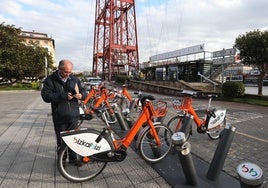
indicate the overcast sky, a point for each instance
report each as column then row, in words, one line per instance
column 163, row 25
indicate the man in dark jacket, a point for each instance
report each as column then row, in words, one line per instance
column 63, row 90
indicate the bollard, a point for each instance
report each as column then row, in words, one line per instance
column 250, row 175
column 184, row 148
column 132, row 105
column 120, row 118
column 221, row 153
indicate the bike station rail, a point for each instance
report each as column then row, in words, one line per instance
column 28, row 156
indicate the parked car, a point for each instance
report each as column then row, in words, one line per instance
column 89, row 81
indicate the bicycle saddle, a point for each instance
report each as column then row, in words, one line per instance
column 144, row 97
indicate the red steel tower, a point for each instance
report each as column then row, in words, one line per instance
column 115, row 39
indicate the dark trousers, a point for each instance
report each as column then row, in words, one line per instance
column 59, row 127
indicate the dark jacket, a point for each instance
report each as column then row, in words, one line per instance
column 55, row 91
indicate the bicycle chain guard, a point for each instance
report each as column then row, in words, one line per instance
column 110, row 156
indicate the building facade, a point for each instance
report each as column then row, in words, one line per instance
column 43, row 40
column 183, row 64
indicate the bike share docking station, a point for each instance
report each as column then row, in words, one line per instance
column 194, row 168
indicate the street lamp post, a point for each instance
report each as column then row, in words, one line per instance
column 45, row 66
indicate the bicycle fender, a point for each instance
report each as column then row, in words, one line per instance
column 141, row 132
column 83, row 142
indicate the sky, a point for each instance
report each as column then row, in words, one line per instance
column 162, row 25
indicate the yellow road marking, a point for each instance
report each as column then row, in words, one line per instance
column 253, row 137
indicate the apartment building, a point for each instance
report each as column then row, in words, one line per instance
column 43, row 40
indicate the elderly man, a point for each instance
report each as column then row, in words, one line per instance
column 63, row 90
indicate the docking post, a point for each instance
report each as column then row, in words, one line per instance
column 120, row 118
column 221, row 153
column 184, row 148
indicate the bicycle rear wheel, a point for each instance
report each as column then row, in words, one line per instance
column 148, row 148
column 215, row 133
column 82, row 169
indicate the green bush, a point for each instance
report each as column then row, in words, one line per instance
column 233, row 89
column 18, row 85
column 35, row 85
column 23, row 86
column 121, row 79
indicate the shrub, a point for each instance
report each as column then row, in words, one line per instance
column 121, row 79
column 35, row 85
column 18, row 85
column 233, row 89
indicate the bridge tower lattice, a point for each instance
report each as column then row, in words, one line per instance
column 115, row 39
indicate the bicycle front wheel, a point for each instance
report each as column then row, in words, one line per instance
column 215, row 133
column 148, row 147
column 175, row 123
column 79, row 170
column 111, row 119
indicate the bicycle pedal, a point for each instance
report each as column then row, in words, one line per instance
column 202, row 129
column 85, row 159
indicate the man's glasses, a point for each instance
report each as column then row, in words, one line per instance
column 66, row 72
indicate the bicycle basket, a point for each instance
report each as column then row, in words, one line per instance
column 182, row 104
column 160, row 109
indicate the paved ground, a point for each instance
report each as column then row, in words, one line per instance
column 27, row 150
column 27, row 146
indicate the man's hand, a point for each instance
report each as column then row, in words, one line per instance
column 78, row 96
column 70, row 96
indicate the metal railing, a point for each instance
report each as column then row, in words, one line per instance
column 209, row 80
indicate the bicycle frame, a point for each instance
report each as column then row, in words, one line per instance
column 145, row 116
column 126, row 93
column 190, row 110
column 92, row 93
column 102, row 99
column 202, row 124
column 92, row 145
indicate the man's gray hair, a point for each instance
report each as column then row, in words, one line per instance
column 62, row 63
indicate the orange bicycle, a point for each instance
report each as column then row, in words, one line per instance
column 212, row 124
column 99, row 98
column 96, row 148
column 92, row 94
column 126, row 101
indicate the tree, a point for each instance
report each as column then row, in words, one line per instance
column 253, row 47
column 34, row 54
column 18, row 60
column 9, row 48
